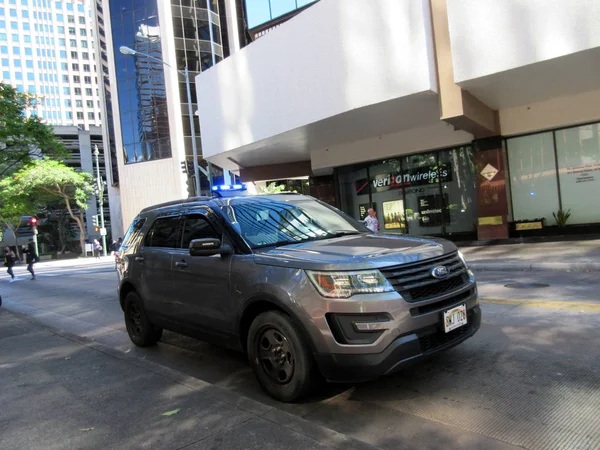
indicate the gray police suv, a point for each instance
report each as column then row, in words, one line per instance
column 299, row 286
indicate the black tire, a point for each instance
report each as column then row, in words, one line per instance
column 141, row 332
column 280, row 357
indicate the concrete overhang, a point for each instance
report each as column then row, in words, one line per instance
column 511, row 53
column 341, row 71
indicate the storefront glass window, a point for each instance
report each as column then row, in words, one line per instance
column 534, row 187
column 387, row 195
column 424, row 194
column 424, row 202
column 459, row 190
column 355, row 191
column 578, row 155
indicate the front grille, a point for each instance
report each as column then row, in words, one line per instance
column 432, row 342
column 437, row 306
column 415, row 282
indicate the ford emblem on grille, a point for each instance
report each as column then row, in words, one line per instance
column 440, row 272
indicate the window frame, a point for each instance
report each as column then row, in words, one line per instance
column 204, row 214
column 150, row 233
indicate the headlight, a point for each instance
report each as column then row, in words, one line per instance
column 469, row 272
column 462, row 258
column 346, row 284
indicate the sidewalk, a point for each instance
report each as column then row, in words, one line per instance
column 576, row 256
column 61, row 391
column 573, row 255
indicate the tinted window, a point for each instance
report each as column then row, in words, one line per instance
column 131, row 237
column 164, row 233
column 196, row 227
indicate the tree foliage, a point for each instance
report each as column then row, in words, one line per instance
column 55, row 226
column 272, row 188
column 14, row 205
column 23, row 138
column 44, row 181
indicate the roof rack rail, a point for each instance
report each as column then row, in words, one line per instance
column 176, row 202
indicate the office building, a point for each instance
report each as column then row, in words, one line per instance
column 49, row 49
column 459, row 118
column 150, row 131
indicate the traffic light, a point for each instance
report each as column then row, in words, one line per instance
column 95, row 221
column 33, row 221
column 96, row 229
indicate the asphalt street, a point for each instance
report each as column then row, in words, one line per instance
column 530, row 378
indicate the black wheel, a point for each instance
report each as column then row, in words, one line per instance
column 279, row 357
column 141, row 332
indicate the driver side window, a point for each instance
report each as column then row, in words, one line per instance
column 197, row 227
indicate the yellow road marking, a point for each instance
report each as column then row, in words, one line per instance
column 588, row 306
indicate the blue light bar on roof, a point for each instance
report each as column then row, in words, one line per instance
column 229, row 187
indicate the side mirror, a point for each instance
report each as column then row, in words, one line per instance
column 209, row 247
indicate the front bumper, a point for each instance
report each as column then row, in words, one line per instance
column 404, row 349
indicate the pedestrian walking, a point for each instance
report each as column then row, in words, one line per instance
column 32, row 257
column 371, row 221
column 97, row 248
column 9, row 261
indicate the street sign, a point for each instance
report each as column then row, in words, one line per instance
column 102, row 231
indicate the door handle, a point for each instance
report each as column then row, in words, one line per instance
column 181, row 264
column 139, row 258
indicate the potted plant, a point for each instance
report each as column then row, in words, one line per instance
column 562, row 217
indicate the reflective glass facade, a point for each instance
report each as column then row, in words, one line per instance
column 262, row 11
column 142, row 94
column 140, row 81
column 193, row 49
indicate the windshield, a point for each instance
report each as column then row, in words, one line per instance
column 264, row 222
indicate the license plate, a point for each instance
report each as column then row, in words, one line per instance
column 455, row 318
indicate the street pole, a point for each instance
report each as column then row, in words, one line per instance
column 129, row 51
column 100, row 200
column 193, row 130
column 214, row 61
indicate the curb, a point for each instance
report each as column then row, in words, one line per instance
column 534, row 266
column 272, row 414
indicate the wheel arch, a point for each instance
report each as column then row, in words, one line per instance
column 262, row 303
column 125, row 289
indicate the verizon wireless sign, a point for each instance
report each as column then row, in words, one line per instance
column 415, row 177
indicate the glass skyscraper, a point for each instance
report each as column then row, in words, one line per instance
column 48, row 48
column 180, row 35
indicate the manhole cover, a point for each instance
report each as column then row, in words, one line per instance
column 526, row 285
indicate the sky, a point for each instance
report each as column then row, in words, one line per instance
column 261, row 11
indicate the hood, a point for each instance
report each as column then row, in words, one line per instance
column 355, row 252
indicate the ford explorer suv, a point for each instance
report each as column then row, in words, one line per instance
column 305, row 290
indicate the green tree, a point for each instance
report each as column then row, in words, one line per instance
column 43, row 181
column 14, row 205
column 272, row 188
column 55, row 226
column 23, row 138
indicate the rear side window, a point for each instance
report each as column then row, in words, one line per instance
column 197, row 227
column 165, row 232
column 132, row 236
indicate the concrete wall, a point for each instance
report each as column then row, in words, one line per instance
column 491, row 36
column 415, row 140
column 337, row 56
column 552, row 113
